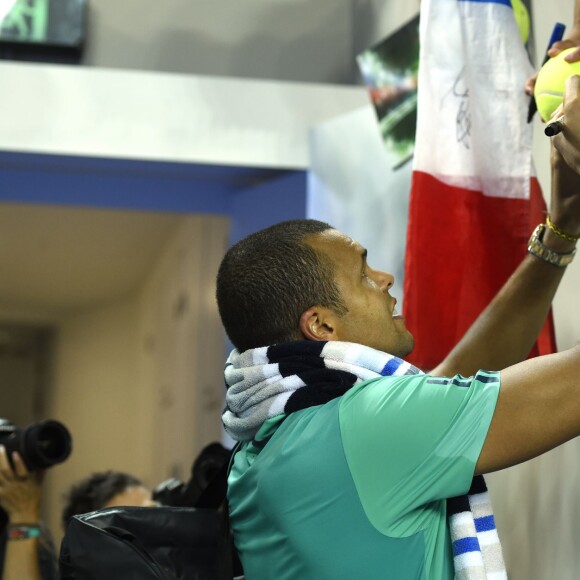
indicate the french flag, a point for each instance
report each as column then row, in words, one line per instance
column 474, row 198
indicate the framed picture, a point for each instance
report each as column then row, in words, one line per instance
column 390, row 71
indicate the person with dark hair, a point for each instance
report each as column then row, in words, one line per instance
column 279, row 275
column 353, row 462
column 30, row 553
column 102, row 490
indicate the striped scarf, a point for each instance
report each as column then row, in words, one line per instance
column 266, row 382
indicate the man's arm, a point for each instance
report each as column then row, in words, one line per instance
column 20, row 494
column 538, row 408
column 505, row 332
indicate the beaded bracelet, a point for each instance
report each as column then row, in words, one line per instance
column 23, row 531
column 559, row 232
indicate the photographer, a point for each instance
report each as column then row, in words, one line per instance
column 26, row 548
column 29, row 550
column 103, row 490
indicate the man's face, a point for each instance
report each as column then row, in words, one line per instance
column 371, row 319
column 135, row 495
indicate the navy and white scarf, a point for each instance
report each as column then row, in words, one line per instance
column 266, row 382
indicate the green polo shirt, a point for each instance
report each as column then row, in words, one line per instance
column 356, row 488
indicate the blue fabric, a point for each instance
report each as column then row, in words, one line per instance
column 390, row 368
column 465, row 545
column 504, row 2
column 484, row 524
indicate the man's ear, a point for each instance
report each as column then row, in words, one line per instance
column 318, row 323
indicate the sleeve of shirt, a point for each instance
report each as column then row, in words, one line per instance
column 413, row 440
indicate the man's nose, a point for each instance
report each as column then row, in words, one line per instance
column 384, row 280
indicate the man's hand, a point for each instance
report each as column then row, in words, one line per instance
column 20, row 490
column 568, row 141
column 572, row 41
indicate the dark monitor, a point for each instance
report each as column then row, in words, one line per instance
column 44, row 31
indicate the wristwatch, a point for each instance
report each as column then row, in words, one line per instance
column 537, row 248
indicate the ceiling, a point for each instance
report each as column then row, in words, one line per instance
column 57, row 259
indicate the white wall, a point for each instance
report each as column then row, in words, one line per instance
column 63, row 110
column 181, row 349
column 139, row 382
column 96, row 394
column 18, row 387
column 292, row 40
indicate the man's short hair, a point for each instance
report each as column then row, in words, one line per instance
column 267, row 280
column 94, row 492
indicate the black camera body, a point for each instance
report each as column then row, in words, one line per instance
column 206, row 466
column 40, row 445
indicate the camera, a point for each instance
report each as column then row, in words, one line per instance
column 40, row 445
column 206, row 466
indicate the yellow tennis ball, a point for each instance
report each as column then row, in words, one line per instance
column 551, row 82
column 522, row 18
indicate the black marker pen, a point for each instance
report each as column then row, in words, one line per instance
column 554, row 127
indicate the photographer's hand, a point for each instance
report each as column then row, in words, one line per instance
column 20, row 490
column 20, row 495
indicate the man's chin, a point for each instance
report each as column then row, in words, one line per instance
column 407, row 348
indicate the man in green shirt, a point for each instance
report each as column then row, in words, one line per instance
column 349, row 453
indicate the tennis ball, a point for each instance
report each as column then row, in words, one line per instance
column 522, row 19
column 551, row 82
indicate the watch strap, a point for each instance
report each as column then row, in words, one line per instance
column 537, row 248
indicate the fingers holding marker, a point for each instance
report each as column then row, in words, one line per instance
column 571, row 90
column 571, row 94
column 567, row 141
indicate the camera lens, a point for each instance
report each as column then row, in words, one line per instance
column 45, row 444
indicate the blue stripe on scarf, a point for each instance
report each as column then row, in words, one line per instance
column 391, row 367
column 465, row 545
column 504, row 2
column 484, row 524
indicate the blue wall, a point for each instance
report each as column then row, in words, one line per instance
column 253, row 198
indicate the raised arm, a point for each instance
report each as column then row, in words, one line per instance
column 505, row 332
column 538, row 408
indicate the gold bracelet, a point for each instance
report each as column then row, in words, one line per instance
column 559, row 232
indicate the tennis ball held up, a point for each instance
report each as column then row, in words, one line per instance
column 551, row 83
